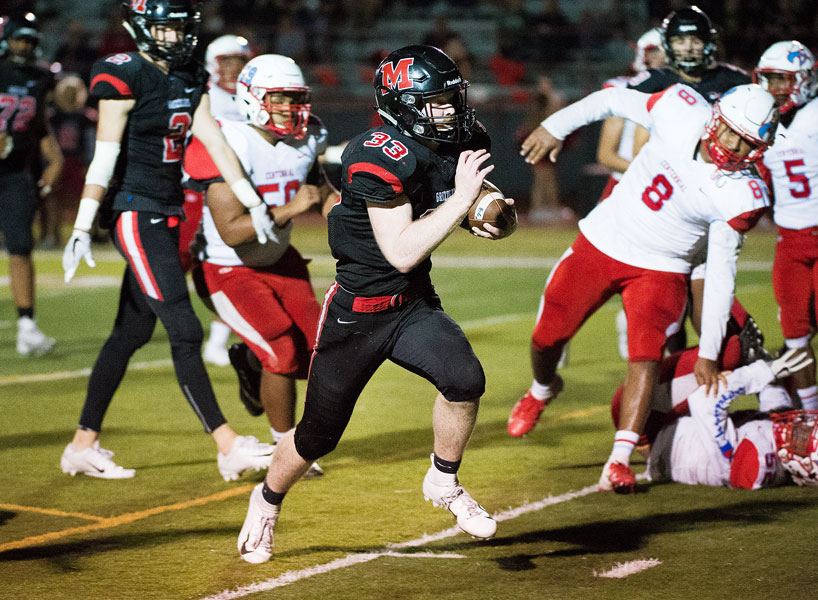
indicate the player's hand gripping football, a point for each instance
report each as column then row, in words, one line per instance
column 77, row 248
column 468, row 180
column 539, row 143
column 263, row 223
column 792, row 361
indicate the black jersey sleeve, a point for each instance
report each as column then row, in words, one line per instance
column 115, row 77
column 652, row 81
column 377, row 165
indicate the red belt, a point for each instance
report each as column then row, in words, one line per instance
column 375, row 304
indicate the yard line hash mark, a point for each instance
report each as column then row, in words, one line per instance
column 622, row 570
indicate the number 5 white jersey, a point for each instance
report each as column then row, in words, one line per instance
column 793, row 164
column 277, row 171
column 659, row 215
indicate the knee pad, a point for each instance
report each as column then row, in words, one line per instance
column 315, row 438
column 466, row 383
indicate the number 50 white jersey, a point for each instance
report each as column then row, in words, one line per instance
column 277, row 171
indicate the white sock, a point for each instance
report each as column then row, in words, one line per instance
column 624, row 443
column 809, row 397
column 277, row 435
column 540, row 391
column 219, row 332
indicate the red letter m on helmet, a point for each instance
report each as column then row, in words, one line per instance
column 397, row 76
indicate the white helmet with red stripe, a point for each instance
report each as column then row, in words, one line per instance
column 221, row 47
column 794, row 66
column 650, row 40
column 272, row 94
column 796, row 441
column 749, row 110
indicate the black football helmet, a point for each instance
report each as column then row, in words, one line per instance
column 15, row 28
column 404, row 83
column 183, row 15
column 689, row 21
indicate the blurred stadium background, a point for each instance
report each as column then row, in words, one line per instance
column 511, row 50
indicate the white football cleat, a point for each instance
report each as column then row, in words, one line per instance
column 255, row 541
column 471, row 517
column 246, row 454
column 315, row 470
column 216, row 354
column 94, row 462
column 30, row 340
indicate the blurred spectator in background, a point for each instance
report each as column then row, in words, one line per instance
column 74, row 125
column 114, row 38
column 554, row 35
column 545, row 207
column 76, row 54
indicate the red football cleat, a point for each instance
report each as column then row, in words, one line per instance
column 525, row 415
column 617, row 477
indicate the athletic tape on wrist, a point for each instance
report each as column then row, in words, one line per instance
column 86, row 213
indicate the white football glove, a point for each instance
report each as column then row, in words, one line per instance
column 792, row 361
column 77, row 248
column 263, row 223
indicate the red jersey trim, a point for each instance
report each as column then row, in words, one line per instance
column 377, row 171
column 654, row 98
column 744, row 470
column 116, row 82
column 746, row 221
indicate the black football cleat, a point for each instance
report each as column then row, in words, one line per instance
column 249, row 378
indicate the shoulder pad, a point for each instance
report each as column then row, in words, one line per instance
column 377, row 163
column 114, row 77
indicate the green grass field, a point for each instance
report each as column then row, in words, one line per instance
column 364, row 530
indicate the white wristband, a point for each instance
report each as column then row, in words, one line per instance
column 85, row 214
column 244, row 191
column 102, row 166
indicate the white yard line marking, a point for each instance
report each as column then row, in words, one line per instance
column 622, row 570
column 392, row 549
column 40, row 377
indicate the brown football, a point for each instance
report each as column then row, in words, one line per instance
column 491, row 208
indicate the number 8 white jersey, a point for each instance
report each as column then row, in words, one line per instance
column 793, row 164
column 659, row 215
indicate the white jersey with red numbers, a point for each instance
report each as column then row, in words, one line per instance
column 277, row 171
column 625, row 149
column 670, row 207
column 223, row 106
column 793, row 164
column 707, row 449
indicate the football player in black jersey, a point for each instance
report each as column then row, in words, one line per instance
column 25, row 136
column 406, row 186
column 147, row 102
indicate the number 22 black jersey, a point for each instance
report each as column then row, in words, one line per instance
column 23, row 89
column 378, row 166
column 148, row 171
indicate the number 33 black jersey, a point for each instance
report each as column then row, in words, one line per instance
column 378, row 166
column 148, row 171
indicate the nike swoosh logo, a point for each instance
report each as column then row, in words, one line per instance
column 244, row 549
column 189, row 90
column 155, row 221
column 345, row 322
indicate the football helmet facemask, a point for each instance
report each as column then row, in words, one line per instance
column 221, row 47
column 689, row 21
column 748, row 110
column 786, row 70
column 26, row 27
column 150, row 21
column 406, row 82
column 796, row 442
column 287, row 112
